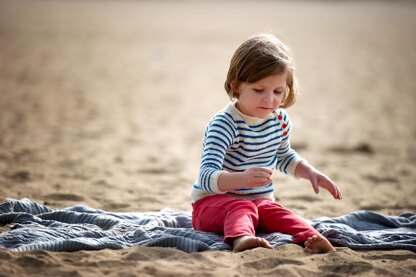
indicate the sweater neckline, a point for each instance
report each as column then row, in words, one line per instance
column 250, row 120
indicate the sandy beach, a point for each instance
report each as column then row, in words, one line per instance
column 104, row 103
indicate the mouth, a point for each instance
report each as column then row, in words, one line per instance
column 265, row 108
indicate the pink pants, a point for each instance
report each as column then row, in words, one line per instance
column 238, row 217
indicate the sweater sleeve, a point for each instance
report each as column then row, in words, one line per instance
column 287, row 158
column 219, row 136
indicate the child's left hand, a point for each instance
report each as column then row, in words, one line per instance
column 318, row 179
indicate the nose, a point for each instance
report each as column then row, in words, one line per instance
column 268, row 97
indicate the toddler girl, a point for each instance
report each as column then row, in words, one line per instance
column 243, row 143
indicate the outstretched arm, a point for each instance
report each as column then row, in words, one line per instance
column 306, row 171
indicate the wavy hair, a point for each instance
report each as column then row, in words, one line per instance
column 261, row 56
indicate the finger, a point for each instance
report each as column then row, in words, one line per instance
column 315, row 185
column 333, row 191
column 339, row 193
column 329, row 186
column 336, row 192
column 263, row 181
column 262, row 175
column 263, row 169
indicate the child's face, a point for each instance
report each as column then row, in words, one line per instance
column 261, row 98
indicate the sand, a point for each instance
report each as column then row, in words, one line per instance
column 104, row 103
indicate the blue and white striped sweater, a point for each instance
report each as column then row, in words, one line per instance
column 234, row 142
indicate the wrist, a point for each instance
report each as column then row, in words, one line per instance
column 304, row 170
column 230, row 181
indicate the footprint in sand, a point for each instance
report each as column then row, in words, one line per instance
column 136, row 256
column 4, row 256
column 155, row 171
column 20, row 176
column 116, row 206
column 360, row 148
column 33, row 262
column 268, row 264
column 351, row 268
column 381, row 179
column 141, row 253
column 394, row 257
column 304, row 198
column 299, row 146
column 64, row 197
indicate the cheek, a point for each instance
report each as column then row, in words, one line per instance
column 280, row 97
column 278, row 100
column 251, row 99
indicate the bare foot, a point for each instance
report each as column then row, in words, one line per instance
column 248, row 242
column 318, row 244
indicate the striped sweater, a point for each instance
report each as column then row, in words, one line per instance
column 234, row 142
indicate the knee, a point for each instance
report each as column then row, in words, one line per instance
column 270, row 206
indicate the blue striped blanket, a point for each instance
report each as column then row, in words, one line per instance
column 34, row 226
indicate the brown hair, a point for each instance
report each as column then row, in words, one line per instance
column 258, row 57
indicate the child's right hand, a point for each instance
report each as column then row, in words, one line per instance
column 250, row 178
column 257, row 176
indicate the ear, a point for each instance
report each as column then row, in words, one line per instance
column 234, row 88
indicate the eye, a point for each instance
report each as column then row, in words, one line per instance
column 278, row 92
column 258, row 90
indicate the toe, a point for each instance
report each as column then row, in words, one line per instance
column 266, row 244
